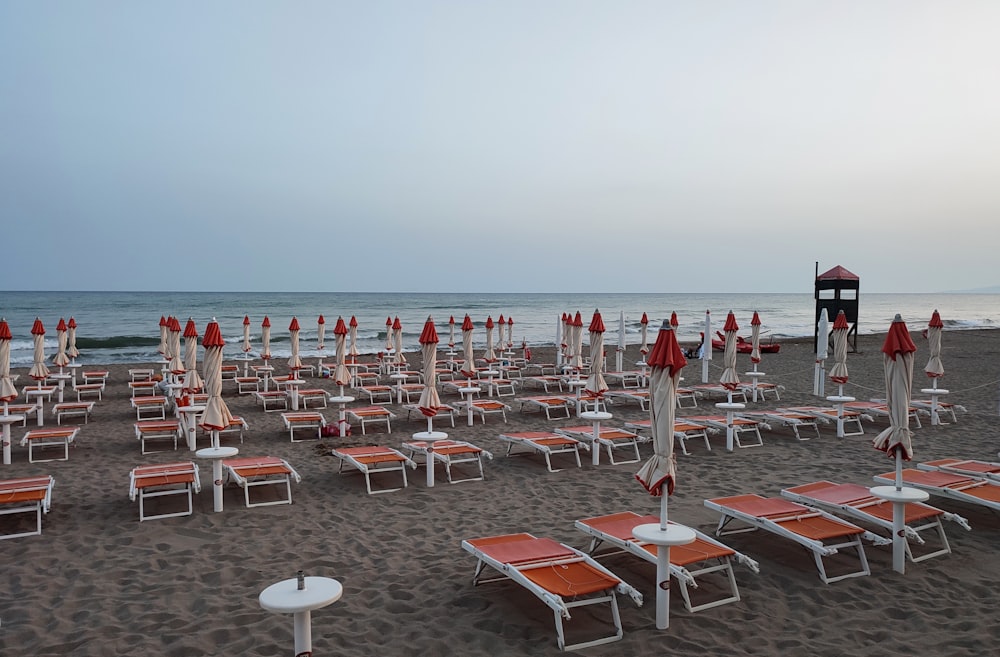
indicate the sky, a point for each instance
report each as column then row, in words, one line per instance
column 507, row 146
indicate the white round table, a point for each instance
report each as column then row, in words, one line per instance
column 39, row 395
column 577, row 385
column 468, row 392
column 190, row 415
column 6, row 421
column 934, row 392
column 730, row 408
column 216, row 454
column 753, row 385
column 400, row 379
column 596, row 417
column 286, row 597
column 663, row 539
column 430, row 437
column 839, row 401
column 292, row 389
column 74, row 366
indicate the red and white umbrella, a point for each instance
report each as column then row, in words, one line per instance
column 706, row 346
column 510, row 332
column 730, row 380
column 217, row 416
column 643, row 336
column 755, row 340
column 71, row 350
column 490, row 356
column 176, row 361
column 468, row 368
column 658, row 475
column 595, row 381
column 353, row 351
column 192, row 380
column 501, row 332
column 451, row 333
column 566, row 342
column 61, row 360
column 265, row 339
column 8, row 392
column 164, row 329
column 341, row 374
column 673, row 321
column 934, row 368
column 320, row 346
column 397, row 342
column 896, row 440
column 822, row 353
column 294, row 363
column 576, row 359
column 430, row 400
column 38, row 371
column 246, row 343
column 839, row 373
column 388, row 335
column 620, row 351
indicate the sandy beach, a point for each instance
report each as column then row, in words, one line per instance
column 99, row 582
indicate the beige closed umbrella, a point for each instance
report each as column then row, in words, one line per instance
column 341, row 373
column 164, row 330
column 246, row 347
column 839, row 373
column 755, row 341
column 430, row 400
column 489, row 355
column 658, row 475
column 353, row 350
column 510, row 333
column 8, row 392
column 451, row 333
column 468, row 367
column 176, row 360
column 320, row 344
column 388, row 335
column 397, row 341
column 192, row 380
column 576, row 361
column 216, row 416
column 39, row 372
column 935, row 367
column 501, row 333
column 730, row 379
column 61, row 360
column 265, row 340
column 71, row 350
column 294, row 362
column 595, row 381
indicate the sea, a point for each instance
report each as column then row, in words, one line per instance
column 123, row 327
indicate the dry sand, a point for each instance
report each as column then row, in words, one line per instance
column 98, row 582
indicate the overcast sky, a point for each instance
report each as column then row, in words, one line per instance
column 508, row 146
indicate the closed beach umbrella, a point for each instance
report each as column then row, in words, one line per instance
column 192, row 381
column 822, row 353
column 71, row 350
column 216, row 416
column 730, row 380
column 501, row 332
column 320, row 346
column 489, row 356
column 595, row 381
column 8, row 392
column 510, row 332
column 265, row 339
column 353, row 327
column 896, row 440
column 620, row 352
column 61, row 360
column 38, row 370
column 429, row 401
column 294, row 363
column 164, row 328
column 246, row 334
column 838, row 373
column 934, row 368
column 468, row 357
column 755, row 340
column 567, row 338
column 658, row 475
column 176, row 360
column 397, row 341
column 388, row 334
column 451, row 333
column 643, row 337
column 577, row 359
column 559, row 340
column 706, row 346
column 341, row 374
column 673, row 322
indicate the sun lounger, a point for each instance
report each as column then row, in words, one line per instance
column 151, row 481
column 966, row 467
column 26, row 495
column 786, row 418
column 686, row 395
column 409, row 392
column 687, row 562
column 24, row 410
column 237, row 425
column 820, row 532
column 609, row 438
column 315, row 396
column 450, row 452
column 498, row 387
column 229, row 372
column 95, row 376
column 140, row 374
column 375, row 460
column 272, row 400
column 717, row 391
column 880, row 409
column 247, row 385
column 299, row 420
column 39, row 392
column 545, row 443
column 256, row 471
column 958, row 487
column 484, row 407
column 858, row 502
column 143, row 388
column 640, row 397
column 148, row 408
column 683, row 431
column 157, row 430
column 549, row 404
column 543, row 381
column 630, row 379
column 443, row 411
column 943, row 408
column 89, row 390
column 741, row 426
column 73, row 409
column 365, row 379
column 829, row 414
column 44, row 438
column 366, row 415
column 560, row 576
column 763, row 389
column 376, row 393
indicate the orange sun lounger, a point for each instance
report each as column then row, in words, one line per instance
column 967, row 467
column 73, row 409
column 822, row 533
column 365, row 415
column 959, row 487
column 785, row 417
column 41, row 438
column 687, row 562
column 158, row 430
column 151, row 481
column 449, row 452
column 374, row 460
column 548, row 404
column 255, row 471
column 150, row 407
column 828, row 414
column 560, row 576
column 741, row 426
column 309, row 420
column 610, row 438
column 858, row 502
column 26, row 495
column 545, row 443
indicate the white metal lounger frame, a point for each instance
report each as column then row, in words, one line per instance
column 161, row 490
column 738, row 429
column 457, row 452
column 818, row 549
column 244, row 477
column 45, row 482
column 545, row 450
column 168, row 430
column 538, row 404
column 586, row 435
column 303, row 420
column 358, row 415
column 376, row 468
column 559, row 606
column 954, row 493
column 786, row 419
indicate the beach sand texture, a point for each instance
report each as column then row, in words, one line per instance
column 99, row 582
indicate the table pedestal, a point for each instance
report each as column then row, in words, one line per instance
column 730, row 408
column 73, row 367
column 934, row 392
column 596, row 417
column 899, row 497
column 577, row 385
column 342, row 403
column 61, row 380
column 189, row 415
column 299, row 596
column 266, row 369
column 39, row 396
column 292, row 390
column 399, row 379
column 6, row 421
column 217, row 454
column 753, row 386
column 663, row 539
column 429, row 437
column 839, row 401
column 468, row 392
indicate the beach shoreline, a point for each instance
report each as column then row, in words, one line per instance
column 99, row 582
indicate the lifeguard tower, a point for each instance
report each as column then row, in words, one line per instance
column 836, row 290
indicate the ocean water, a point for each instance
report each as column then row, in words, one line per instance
column 122, row 327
